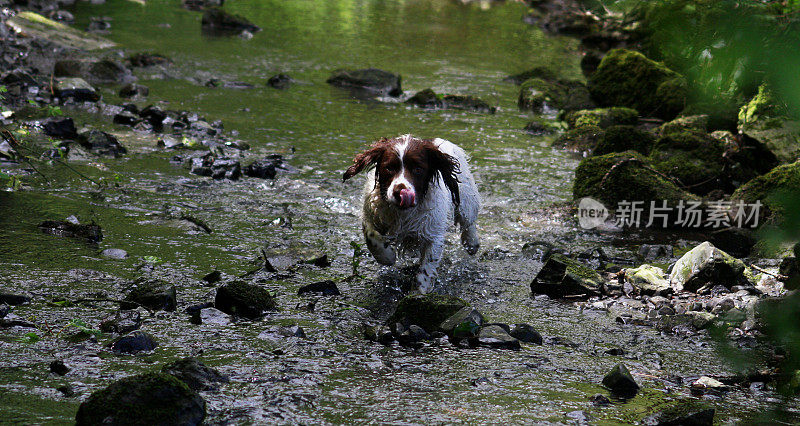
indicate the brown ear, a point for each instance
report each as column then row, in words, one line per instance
column 448, row 168
column 370, row 156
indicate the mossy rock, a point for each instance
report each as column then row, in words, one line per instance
column 579, row 139
column 544, row 73
column 37, row 26
column 244, row 299
column 543, row 96
column 624, row 138
column 602, row 117
column 698, row 123
column 563, row 276
column 426, row 310
column 704, row 267
column 694, row 158
column 768, row 188
column 764, row 119
column 144, row 399
column 153, row 294
column 629, row 79
column 632, row 179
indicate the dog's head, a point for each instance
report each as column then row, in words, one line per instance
column 405, row 167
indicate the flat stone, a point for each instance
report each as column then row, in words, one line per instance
column 37, row 26
column 494, row 336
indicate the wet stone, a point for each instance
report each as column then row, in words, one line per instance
column 217, row 22
column 112, row 253
column 526, row 333
column 13, row 299
column 126, row 118
column 143, row 60
column 195, row 374
column 264, row 169
column 682, row 415
column 495, row 336
column 58, row 367
column 325, row 288
column 76, row 89
column 121, row 322
column 102, row 143
column 704, row 267
column 244, row 299
column 133, row 343
column 212, row 277
column 292, row 331
column 210, row 316
column 373, row 80
column 90, row 232
column 280, row 81
column 153, row 294
column 464, row 323
column 413, row 334
column 600, row 400
column 61, row 128
column 133, row 90
column 426, row 310
column 168, row 401
column 66, row 390
column 620, row 380
column 651, row 252
column 562, row 276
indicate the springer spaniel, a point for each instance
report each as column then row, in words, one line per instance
column 418, row 187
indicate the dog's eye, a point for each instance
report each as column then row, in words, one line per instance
column 418, row 171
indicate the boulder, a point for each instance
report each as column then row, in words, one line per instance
column 547, row 97
column 631, row 179
column 765, row 121
column 121, row 322
column 133, row 343
column 648, row 279
column 94, row 71
column 562, row 276
column 579, row 139
column 244, row 300
column 694, row 123
column 704, row 267
column 766, row 188
column 464, row 323
column 621, row 138
column 619, row 380
column 151, row 398
column 372, row 80
column 602, row 117
column 195, row 374
column 695, row 159
column 217, row 22
column 426, row 310
column 61, row 128
column 153, row 294
column 494, row 336
column 101, row 143
column 76, row 89
column 629, row 79
column 325, row 288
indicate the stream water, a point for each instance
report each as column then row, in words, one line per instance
column 334, row 375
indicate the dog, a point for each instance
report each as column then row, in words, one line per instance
column 419, row 186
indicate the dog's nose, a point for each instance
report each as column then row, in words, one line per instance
column 404, row 196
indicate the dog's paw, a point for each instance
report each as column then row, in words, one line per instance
column 470, row 240
column 382, row 251
column 425, row 281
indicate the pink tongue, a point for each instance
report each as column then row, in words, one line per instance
column 406, row 198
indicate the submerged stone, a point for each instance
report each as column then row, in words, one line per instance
column 101, row 143
column 704, row 267
column 37, row 26
column 216, row 21
column 543, row 97
column 244, row 300
column 562, row 276
column 279, row 81
column 90, row 232
column 195, row 374
column 426, row 310
column 151, row 398
column 377, row 81
column 526, row 333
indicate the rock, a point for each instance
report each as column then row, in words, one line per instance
column 144, row 60
column 61, row 128
column 695, row 159
column 244, row 300
column 619, row 380
column 89, row 232
column 216, row 167
column 602, row 117
column 210, row 316
column 494, row 336
column 526, row 333
column 155, row 116
column 217, row 22
column 785, row 178
column 462, row 324
column 212, row 277
column 292, row 331
column 600, row 400
column 628, row 78
column 94, row 71
column 764, row 120
column 701, row 320
column 37, row 26
column 692, row 123
column 66, row 390
column 429, row 99
column 61, row 16
column 326, row 288
column 375, row 81
column 538, row 128
column 631, row 179
column 737, row 242
column 126, row 118
column 4, row 310
column 651, row 252
column 381, row 334
column 412, row 334
column 426, row 310
column 707, row 383
column 543, row 73
column 195, row 374
column 153, row 398
column 13, row 299
column 133, row 343
column 682, row 415
column 790, row 267
column 133, row 90
column 75, row 88
column 280, row 81
column 426, row 98
column 112, row 253
column 102, row 143
column 580, row 139
column 704, row 267
column 58, row 367
column 121, row 322
column 624, row 138
column 547, row 97
column 562, row 276
column 153, row 294
column 99, row 25
column 264, row 169
column 648, row 279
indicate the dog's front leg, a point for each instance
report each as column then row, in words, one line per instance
column 379, row 246
column 429, row 264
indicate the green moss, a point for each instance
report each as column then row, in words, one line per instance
column 630, row 180
column 152, row 398
column 602, row 117
column 762, row 104
column 580, row 139
column 426, row 310
column 697, row 123
column 627, row 78
column 694, row 158
column 624, row 138
column 541, row 95
column 765, row 188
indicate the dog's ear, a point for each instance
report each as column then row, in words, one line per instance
column 370, row 156
column 448, row 168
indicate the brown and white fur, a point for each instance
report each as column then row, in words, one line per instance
column 418, row 187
